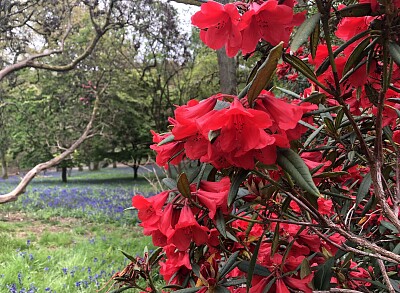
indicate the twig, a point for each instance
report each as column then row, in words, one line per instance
column 385, row 276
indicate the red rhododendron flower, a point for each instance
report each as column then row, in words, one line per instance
column 187, row 230
column 324, row 206
column 167, row 151
column 214, row 195
column 269, row 21
column 219, row 26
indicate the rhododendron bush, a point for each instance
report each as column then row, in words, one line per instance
column 293, row 192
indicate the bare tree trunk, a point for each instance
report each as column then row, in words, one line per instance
column 114, row 164
column 4, row 169
column 227, row 73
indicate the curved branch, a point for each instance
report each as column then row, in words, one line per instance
column 20, row 189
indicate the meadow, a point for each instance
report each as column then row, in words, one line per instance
column 67, row 237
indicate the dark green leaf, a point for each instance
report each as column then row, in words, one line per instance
column 154, row 256
column 330, row 174
column 364, row 188
column 275, row 240
column 237, row 180
column 357, row 54
column 325, row 64
column 264, row 73
column 394, row 100
column 356, row 10
column 258, row 269
column 288, row 92
column 189, row 290
column 128, row 256
column 221, row 289
column 299, row 65
column 304, row 31
column 253, row 262
column 322, row 277
column 389, row 226
column 234, row 282
column 394, row 50
column 315, row 98
column 293, row 164
column 230, row 264
column 314, row 40
column 220, row 223
column 184, row 185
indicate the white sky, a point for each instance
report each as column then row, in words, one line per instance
column 185, row 13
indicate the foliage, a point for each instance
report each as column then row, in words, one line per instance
column 304, row 190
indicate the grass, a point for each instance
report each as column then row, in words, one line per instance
column 67, row 237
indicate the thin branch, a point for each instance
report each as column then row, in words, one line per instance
column 385, row 276
column 20, row 189
column 190, row 2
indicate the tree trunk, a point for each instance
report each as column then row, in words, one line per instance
column 135, row 171
column 114, row 164
column 227, row 73
column 64, row 174
column 80, row 168
column 227, row 69
column 4, row 169
column 95, row 166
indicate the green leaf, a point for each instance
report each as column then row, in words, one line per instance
column 304, row 31
column 293, row 94
column 213, row 134
column 230, row 264
column 293, row 164
column 234, row 282
column 315, row 98
column 364, row 188
column 253, row 262
column 330, row 174
column 357, row 54
column 314, row 40
column 153, row 258
column 189, row 290
column 128, row 256
column 355, row 10
column 170, row 183
column 264, row 73
column 325, row 64
column 275, row 240
column 221, row 289
column 305, row 268
column 184, row 185
column 166, row 140
column 220, row 223
column 394, row 50
column 389, row 226
column 237, row 180
column 299, row 65
column 259, row 270
column 322, row 277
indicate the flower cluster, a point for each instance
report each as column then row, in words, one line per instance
column 224, row 131
column 239, row 26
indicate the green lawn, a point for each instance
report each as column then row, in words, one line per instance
column 68, row 237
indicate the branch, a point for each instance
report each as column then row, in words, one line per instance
column 191, row 2
column 13, row 195
column 385, row 276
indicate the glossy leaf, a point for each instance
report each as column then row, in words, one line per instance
column 356, row 10
column 237, row 180
column 305, row 268
column 264, row 73
column 170, row 183
column 128, row 256
column 189, row 290
column 220, row 223
column 259, row 270
column 357, row 54
column 304, row 31
column 184, row 185
column 253, row 262
column 322, row 277
column 119, row 290
column 230, row 264
column 154, row 256
column 394, row 50
column 292, row 164
column 364, row 188
column 314, row 40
